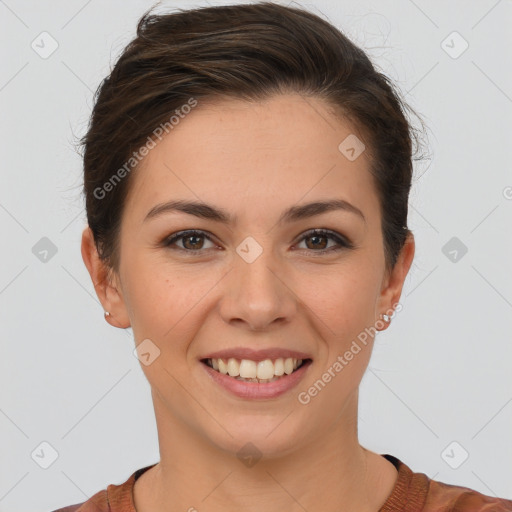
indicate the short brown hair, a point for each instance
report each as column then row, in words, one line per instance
column 246, row 52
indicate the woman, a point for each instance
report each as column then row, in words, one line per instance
column 247, row 174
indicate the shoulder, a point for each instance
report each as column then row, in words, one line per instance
column 70, row 508
column 415, row 492
column 96, row 503
column 453, row 498
column 115, row 498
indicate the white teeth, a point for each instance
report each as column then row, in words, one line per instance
column 248, row 369
column 288, row 366
column 279, row 366
column 265, row 369
column 223, row 367
column 262, row 370
column 233, row 367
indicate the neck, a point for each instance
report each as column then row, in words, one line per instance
column 194, row 473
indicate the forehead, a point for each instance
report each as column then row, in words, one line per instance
column 275, row 151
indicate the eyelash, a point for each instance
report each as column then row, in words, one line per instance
column 342, row 242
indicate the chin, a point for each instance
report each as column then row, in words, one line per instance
column 261, row 438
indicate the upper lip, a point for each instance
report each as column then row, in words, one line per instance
column 256, row 355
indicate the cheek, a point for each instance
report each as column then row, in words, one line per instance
column 343, row 298
column 165, row 299
column 345, row 305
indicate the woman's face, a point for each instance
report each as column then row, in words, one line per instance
column 258, row 280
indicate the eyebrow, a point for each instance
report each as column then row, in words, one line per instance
column 292, row 214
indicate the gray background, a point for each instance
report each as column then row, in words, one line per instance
column 440, row 374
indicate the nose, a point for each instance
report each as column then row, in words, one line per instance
column 257, row 295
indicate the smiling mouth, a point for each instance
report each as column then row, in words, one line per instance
column 250, row 371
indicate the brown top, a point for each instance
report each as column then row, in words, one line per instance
column 413, row 492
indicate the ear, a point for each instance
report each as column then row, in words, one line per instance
column 105, row 281
column 393, row 282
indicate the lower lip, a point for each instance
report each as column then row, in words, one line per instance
column 257, row 390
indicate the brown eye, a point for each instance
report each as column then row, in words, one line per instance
column 193, row 241
column 318, row 239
